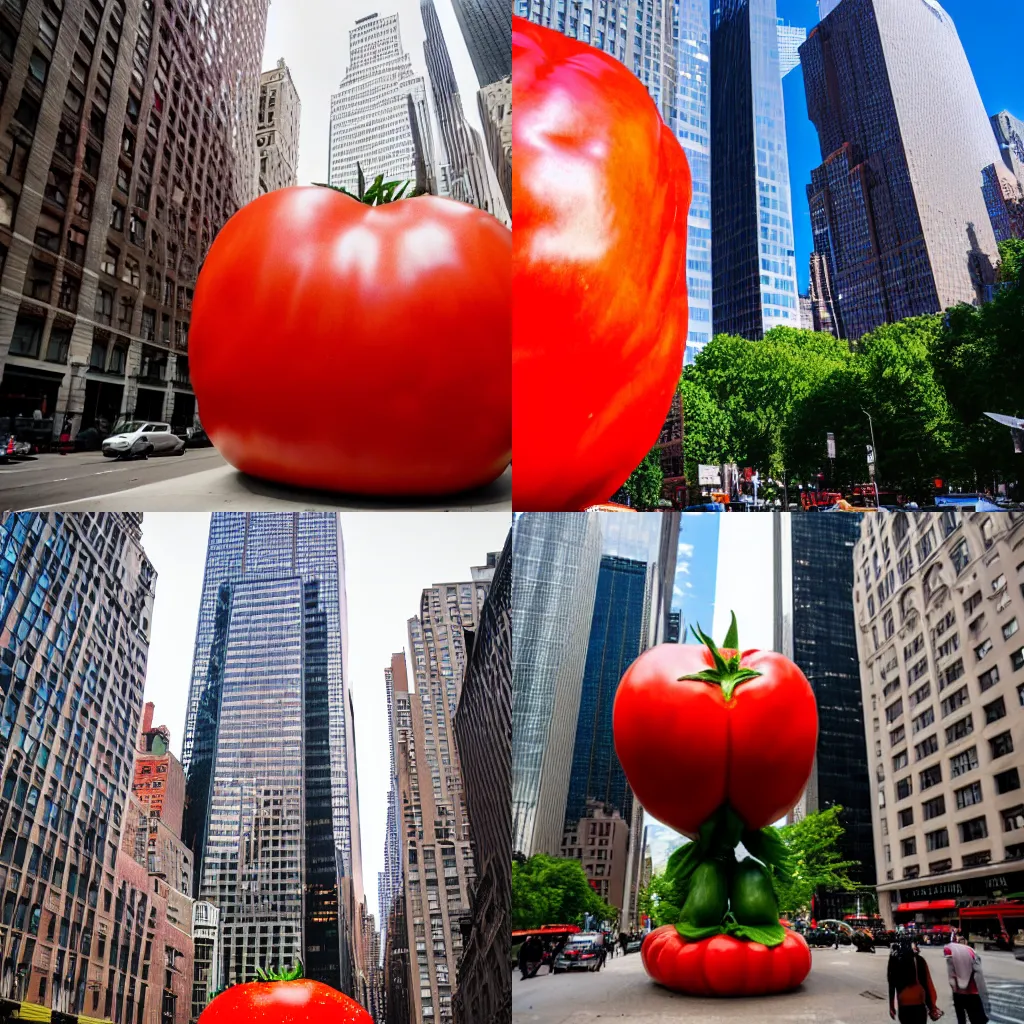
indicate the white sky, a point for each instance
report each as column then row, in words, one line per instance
column 390, row 557
column 744, row 582
column 312, row 36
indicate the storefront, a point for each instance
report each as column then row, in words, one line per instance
column 943, row 903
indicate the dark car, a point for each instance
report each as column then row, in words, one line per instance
column 195, row 437
column 581, row 953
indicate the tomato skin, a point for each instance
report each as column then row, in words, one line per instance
column 686, row 750
column 601, row 190
column 329, row 340
column 723, row 965
column 284, row 1002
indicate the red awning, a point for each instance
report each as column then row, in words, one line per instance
column 1006, row 909
column 926, row 905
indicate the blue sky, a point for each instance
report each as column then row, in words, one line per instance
column 988, row 30
column 696, row 566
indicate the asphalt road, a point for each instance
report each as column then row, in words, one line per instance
column 200, row 480
column 843, row 987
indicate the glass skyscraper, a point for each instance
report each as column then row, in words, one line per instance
column 269, row 748
column 825, row 648
column 487, row 28
column 617, row 635
column 753, row 262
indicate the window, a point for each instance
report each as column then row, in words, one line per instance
column 57, row 188
column 1001, row 745
column 109, row 262
column 954, row 701
column 989, row 679
column 920, row 694
column 968, row 796
column 68, row 298
column 905, row 817
column 58, row 345
column 904, row 788
column 899, row 761
column 48, row 232
column 972, row 602
column 894, row 710
column 91, row 163
column 28, row 334
column 958, row 730
column 952, row 674
column 944, row 650
column 995, row 711
column 83, row 200
column 926, row 747
column 999, row 582
column 98, row 356
column 975, row 860
column 913, row 871
column 38, row 66
column 1007, row 782
column 104, row 305
column 982, row 649
column 888, row 626
column 931, row 776
column 77, row 241
column 925, row 546
column 937, row 840
column 923, row 720
column 913, row 647
column 908, row 847
column 28, row 111
column 937, row 867
column 1013, row 818
column 899, row 734
column 1009, row 628
column 116, row 216
column 1017, row 660
column 8, row 204
column 960, row 556
column 963, row 763
column 39, row 280
column 973, row 829
column 130, row 275
column 118, row 359
column 933, row 808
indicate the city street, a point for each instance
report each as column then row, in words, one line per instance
column 844, row 987
column 199, row 480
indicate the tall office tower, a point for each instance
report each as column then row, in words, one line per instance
column 824, row 314
column 689, row 119
column 825, row 649
column 897, row 212
column 753, row 262
column 555, row 560
column 272, row 633
column 129, row 141
column 483, row 735
column 1009, row 132
column 495, row 103
column 437, row 859
column 791, row 38
column 487, row 28
column 206, row 955
column 76, row 603
column 463, row 148
column 389, row 881
column 939, row 604
column 277, row 138
column 369, row 122
column 1004, row 200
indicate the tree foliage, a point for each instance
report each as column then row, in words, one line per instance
column 644, row 483
column 553, row 890
column 813, row 845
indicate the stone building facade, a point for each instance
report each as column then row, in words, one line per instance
column 127, row 139
column 277, row 140
column 939, row 603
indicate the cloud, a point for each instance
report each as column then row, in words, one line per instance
column 685, row 550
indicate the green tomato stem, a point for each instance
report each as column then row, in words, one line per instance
column 727, row 672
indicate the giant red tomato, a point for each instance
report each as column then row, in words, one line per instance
column 355, row 348
column 600, row 189
column 284, row 1002
column 723, row 965
column 687, row 747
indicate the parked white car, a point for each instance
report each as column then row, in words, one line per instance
column 138, row 439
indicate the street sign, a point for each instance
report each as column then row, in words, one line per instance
column 709, row 476
column 830, row 441
column 871, row 456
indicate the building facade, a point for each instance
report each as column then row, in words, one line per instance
column 467, row 178
column 487, row 29
column 825, row 649
column 939, row 603
column 274, row 826
column 206, row 955
column 791, row 38
column 600, row 841
column 1004, row 199
column 824, row 313
column 483, row 735
column 495, row 103
column 370, row 125
column 277, row 139
column 128, row 140
column 898, row 214
column 437, row 858
column 76, row 603
column 753, row 262
column 1009, row 132
column 555, row 559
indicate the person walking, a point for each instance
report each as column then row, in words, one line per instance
column 65, row 436
column 912, row 996
column 531, row 954
column 970, row 995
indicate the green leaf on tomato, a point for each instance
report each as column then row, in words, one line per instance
column 694, row 934
column 767, row 934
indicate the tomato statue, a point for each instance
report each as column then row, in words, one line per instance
column 283, row 997
column 601, row 190
column 336, row 340
column 698, row 732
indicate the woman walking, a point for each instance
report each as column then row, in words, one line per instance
column 912, row 996
column 970, row 996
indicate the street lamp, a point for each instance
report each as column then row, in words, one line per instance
column 874, row 453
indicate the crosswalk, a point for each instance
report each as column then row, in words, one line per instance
column 1007, row 1002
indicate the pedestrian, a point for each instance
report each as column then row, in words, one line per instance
column 37, row 415
column 623, row 941
column 970, row 995
column 65, row 435
column 531, row 954
column 912, row 996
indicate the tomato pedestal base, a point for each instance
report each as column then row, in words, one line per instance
column 723, row 965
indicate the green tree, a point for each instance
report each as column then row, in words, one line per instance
column 1011, row 261
column 660, row 900
column 553, row 890
column 708, row 431
column 644, row 483
column 812, row 844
